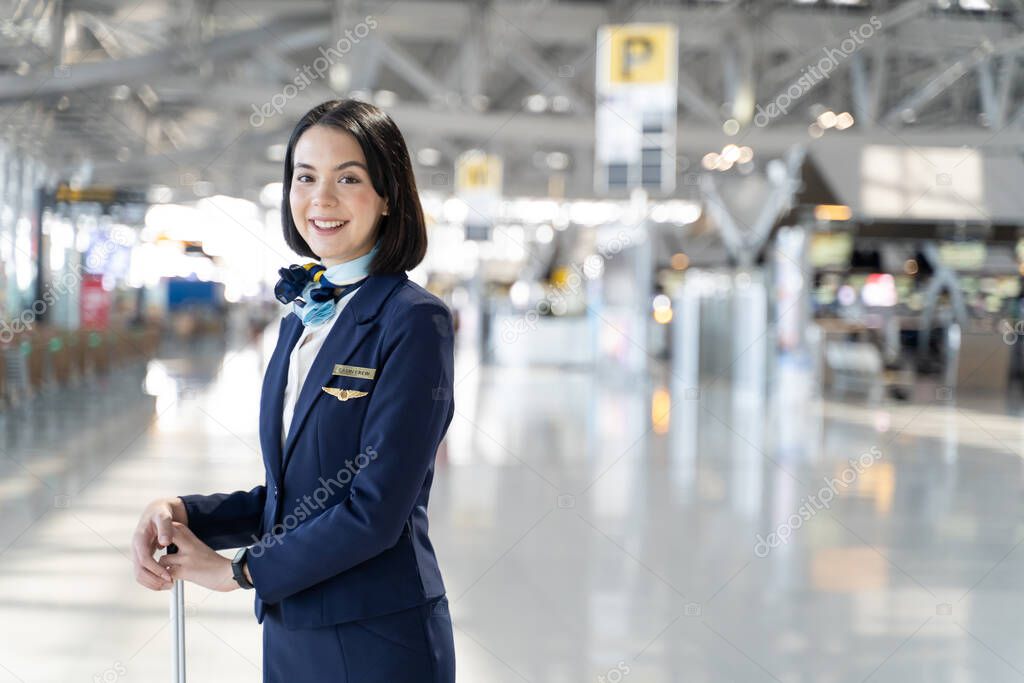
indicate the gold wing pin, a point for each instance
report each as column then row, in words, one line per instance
column 343, row 394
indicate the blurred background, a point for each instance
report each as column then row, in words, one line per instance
column 738, row 296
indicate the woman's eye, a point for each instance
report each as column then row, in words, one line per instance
column 301, row 178
column 348, row 179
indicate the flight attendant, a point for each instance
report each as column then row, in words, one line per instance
column 356, row 399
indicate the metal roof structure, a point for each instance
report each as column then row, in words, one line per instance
column 155, row 93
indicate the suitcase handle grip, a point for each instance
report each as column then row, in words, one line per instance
column 177, row 626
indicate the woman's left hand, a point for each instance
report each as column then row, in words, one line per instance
column 197, row 562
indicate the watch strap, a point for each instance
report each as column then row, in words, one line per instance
column 237, row 568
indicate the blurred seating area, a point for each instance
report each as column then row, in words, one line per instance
column 44, row 360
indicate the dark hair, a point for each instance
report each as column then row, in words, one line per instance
column 402, row 233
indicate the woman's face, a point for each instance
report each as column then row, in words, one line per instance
column 333, row 202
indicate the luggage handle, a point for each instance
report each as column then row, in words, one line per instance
column 177, row 626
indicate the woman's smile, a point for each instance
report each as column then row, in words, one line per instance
column 327, row 226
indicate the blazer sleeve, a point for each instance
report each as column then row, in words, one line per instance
column 410, row 409
column 226, row 520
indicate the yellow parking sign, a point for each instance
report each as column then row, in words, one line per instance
column 640, row 53
column 478, row 171
column 636, row 95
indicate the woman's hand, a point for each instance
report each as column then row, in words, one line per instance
column 153, row 532
column 197, row 562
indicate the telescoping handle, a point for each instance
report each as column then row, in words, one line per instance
column 177, row 627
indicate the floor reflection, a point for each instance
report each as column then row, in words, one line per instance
column 590, row 528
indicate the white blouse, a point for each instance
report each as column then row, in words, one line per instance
column 301, row 360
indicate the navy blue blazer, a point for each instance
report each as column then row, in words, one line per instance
column 339, row 530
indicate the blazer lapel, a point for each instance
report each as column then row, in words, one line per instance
column 272, row 398
column 342, row 341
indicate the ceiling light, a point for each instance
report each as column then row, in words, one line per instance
column 844, row 121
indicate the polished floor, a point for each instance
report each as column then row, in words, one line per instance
column 590, row 529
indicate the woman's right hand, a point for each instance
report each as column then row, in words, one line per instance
column 152, row 533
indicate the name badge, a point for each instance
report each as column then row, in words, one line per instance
column 354, row 371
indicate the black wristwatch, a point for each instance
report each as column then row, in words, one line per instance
column 237, row 568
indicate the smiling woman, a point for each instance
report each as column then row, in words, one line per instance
column 360, row 383
column 347, row 162
column 334, row 206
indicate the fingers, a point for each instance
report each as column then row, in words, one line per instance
column 164, row 531
column 152, row 531
column 169, row 561
column 143, row 559
column 147, row 579
column 182, row 536
column 176, row 566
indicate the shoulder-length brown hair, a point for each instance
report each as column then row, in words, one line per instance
column 402, row 234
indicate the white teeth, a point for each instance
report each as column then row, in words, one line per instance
column 326, row 225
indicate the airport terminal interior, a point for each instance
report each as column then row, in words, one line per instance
column 736, row 288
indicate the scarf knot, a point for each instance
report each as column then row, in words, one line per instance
column 314, row 290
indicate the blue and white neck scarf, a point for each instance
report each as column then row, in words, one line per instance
column 312, row 290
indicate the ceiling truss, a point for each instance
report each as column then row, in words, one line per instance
column 165, row 93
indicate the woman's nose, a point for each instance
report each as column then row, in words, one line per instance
column 323, row 196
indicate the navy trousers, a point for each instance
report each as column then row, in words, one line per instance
column 412, row 646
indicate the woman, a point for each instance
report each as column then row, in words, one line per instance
column 356, row 399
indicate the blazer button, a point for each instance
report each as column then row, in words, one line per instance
column 275, row 490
